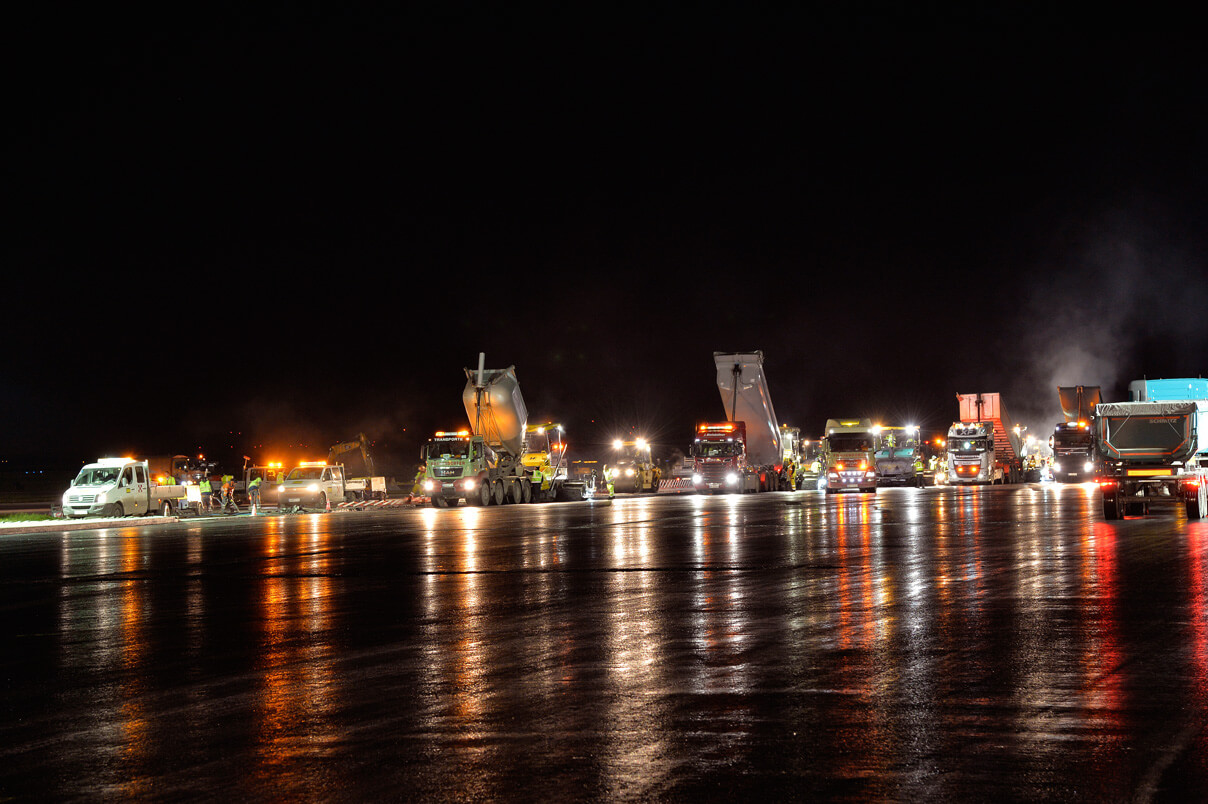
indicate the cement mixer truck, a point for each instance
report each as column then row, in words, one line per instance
column 743, row 453
column 501, row 459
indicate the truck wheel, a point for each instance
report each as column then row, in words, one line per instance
column 497, row 492
column 1112, row 509
column 526, row 491
column 166, row 509
column 1197, row 506
column 484, row 493
column 440, row 502
column 515, row 492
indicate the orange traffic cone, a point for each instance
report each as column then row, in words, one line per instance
column 329, row 505
column 253, row 509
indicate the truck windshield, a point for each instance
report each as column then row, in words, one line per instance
column 1071, row 439
column 447, row 449
column 717, row 449
column 902, row 452
column 97, row 476
column 852, row 442
column 967, row 445
column 305, row 473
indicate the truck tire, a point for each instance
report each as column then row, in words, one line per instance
column 484, row 493
column 526, row 490
column 1197, row 505
column 1112, row 509
column 516, row 491
column 166, row 508
column 497, row 492
column 440, row 502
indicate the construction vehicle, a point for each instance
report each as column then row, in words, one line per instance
column 501, row 458
column 1152, row 452
column 369, row 487
column 899, row 457
column 1072, row 441
column 984, row 446
column 747, row 455
column 849, row 455
column 114, row 487
column 632, row 468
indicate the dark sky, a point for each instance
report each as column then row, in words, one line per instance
column 285, row 227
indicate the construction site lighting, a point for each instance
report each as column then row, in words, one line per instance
column 618, row 444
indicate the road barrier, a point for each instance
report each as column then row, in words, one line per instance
column 395, row 502
column 675, row 485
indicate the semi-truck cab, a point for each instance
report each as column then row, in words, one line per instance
column 719, row 459
column 849, row 450
column 1073, row 452
column 971, row 454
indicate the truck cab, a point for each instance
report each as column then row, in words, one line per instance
column 312, row 484
column 971, row 458
column 719, row 455
column 455, row 467
column 849, row 455
column 1073, row 452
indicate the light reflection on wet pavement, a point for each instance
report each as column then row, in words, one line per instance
column 940, row 644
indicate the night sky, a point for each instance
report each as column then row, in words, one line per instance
column 286, row 227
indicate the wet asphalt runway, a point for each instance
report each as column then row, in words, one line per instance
column 945, row 645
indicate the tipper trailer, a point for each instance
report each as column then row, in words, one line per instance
column 984, row 446
column 1152, row 452
column 744, row 393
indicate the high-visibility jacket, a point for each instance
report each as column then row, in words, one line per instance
column 205, row 486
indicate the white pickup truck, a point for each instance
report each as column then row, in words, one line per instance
column 114, row 487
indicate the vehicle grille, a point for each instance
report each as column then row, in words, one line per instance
column 447, row 471
column 81, row 498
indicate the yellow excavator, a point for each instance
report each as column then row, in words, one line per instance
column 370, row 487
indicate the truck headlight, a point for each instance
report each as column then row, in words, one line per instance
column 731, row 479
column 697, row 478
column 629, row 472
column 313, row 487
column 1089, row 466
column 1056, row 467
column 470, row 484
column 429, row 485
column 280, row 489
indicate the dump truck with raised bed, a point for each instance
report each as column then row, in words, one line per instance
column 752, row 452
column 984, row 446
column 1073, row 440
column 492, row 462
column 1151, row 452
